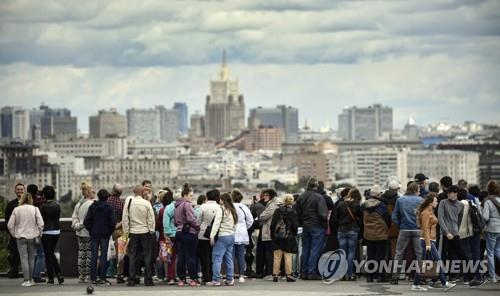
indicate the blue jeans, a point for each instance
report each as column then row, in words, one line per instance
column 434, row 256
column 348, row 241
column 39, row 262
column 97, row 244
column 492, row 251
column 239, row 257
column 223, row 253
column 312, row 245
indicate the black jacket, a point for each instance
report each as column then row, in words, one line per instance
column 289, row 215
column 311, row 210
column 11, row 205
column 51, row 212
column 100, row 220
column 343, row 219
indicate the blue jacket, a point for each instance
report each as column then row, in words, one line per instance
column 100, row 220
column 405, row 212
column 169, row 228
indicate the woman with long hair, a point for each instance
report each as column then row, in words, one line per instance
column 347, row 217
column 428, row 221
column 222, row 240
column 26, row 225
column 78, row 217
column 186, row 238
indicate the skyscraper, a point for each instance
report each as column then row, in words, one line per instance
column 57, row 122
column 182, row 110
column 6, row 118
column 282, row 116
column 365, row 123
column 107, row 124
column 225, row 106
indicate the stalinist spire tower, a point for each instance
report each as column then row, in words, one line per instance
column 225, row 106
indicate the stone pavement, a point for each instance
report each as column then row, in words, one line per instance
column 251, row 287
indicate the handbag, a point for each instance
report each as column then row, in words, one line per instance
column 208, row 230
column 429, row 266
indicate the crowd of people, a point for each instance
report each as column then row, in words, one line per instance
column 221, row 238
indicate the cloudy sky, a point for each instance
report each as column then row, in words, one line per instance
column 430, row 60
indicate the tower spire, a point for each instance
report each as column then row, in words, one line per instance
column 224, row 69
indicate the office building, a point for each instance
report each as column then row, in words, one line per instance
column 107, row 124
column 369, row 123
column 282, row 116
column 182, row 111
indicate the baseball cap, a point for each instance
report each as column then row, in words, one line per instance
column 393, row 184
column 420, row 177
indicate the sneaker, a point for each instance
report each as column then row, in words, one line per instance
column 131, row 283
column 82, row 279
column 181, row 283
column 290, row 279
column 229, row 283
column 60, row 279
column 476, row 283
column 275, row 279
column 466, row 282
column 50, row 282
column 435, row 285
column 418, row 288
column 213, row 284
column 268, row 278
column 241, row 279
column 39, row 280
column 32, row 283
column 95, row 283
column 171, row 282
column 402, row 277
column 394, row 281
column 493, row 280
column 194, row 283
column 448, row 286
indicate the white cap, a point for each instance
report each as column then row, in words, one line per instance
column 394, row 185
column 375, row 190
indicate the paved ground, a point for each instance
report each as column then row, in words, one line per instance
column 251, row 287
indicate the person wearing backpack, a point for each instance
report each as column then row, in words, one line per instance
column 467, row 236
column 491, row 213
column 376, row 221
column 284, row 227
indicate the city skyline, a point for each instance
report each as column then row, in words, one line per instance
column 429, row 61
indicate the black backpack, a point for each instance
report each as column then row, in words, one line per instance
column 282, row 231
column 478, row 223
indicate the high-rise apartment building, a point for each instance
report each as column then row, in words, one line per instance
column 144, row 125
column 282, row 116
column 153, row 125
column 107, row 124
column 225, row 106
column 438, row 163
column 365, row 123
column 169, row 124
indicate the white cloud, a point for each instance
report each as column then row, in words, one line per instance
column 316, row 55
